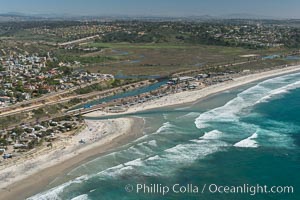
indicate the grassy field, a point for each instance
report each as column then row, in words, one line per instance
column 134, row 46
column 164, row 59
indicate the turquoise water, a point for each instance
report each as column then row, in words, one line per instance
column 292, row 58
column 249, row 135
column 129, row 93
column 278, row 56
column 271, row 56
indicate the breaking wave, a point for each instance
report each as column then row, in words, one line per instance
column 248, row 142
column 215, row 134
column 81, row 197
column 230, row 117
column 225, row 129
column 53, row 194
column 257, row 94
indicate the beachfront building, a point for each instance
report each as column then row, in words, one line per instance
column 182, row 79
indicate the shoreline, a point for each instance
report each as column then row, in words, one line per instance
column 26, row 183
column 197, row 95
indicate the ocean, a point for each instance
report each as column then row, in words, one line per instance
column 240, row 144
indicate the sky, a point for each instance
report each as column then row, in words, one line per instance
column 269, row 8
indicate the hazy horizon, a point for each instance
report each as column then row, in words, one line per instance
column 174, row 8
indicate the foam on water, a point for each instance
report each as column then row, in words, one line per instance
column 134, row 151
column 142, row 157
column 164, row 128
column 88, row 163
column 280, row 127
column 164, row 164
column 169, row 128
column 199, row 148
column 189, row 115
column 156, row 157
column 248, row 142
column 144, row 137
column 81, row 197
column 136, row 162
column 248, row 98
column 229, row 116
column 277, row 135
column 212, row 135
column 149, row 143
column 114, row 172
column 279, row 91
column 118, row 167
column 153, row 143
column 272, row 138
column 53, row 194
column 228, row 112
column 139, row 150
column 184, row 154
column 169, row 160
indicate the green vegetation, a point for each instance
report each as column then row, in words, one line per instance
column 165, row 59
column 38, row 112
column 6, row 122
column 100, row 87
column 150, row 48
column 91, row 88
column 75, row 101
column 127, row 45
column 3, row 142
column 85, row 60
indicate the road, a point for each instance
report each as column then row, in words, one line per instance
column 47, row 96
column 16, row 109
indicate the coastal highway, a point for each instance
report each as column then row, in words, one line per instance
column 38, row 103
column 47, row 96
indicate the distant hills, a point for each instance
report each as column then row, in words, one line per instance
column 15, row 16
column 246, row 16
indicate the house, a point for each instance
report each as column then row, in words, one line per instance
column 201, row 76
column 191, row 87
column 5, row 99
column 180, row 80
column 6, row 156
column 20, row 146
column 7, row 85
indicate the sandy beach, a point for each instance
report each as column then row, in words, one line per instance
column 31, row 175
column 192, row 96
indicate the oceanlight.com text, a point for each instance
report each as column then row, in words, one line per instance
column 251, row 190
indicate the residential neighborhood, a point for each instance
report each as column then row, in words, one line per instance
column 26, row 137
column 24, row 77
